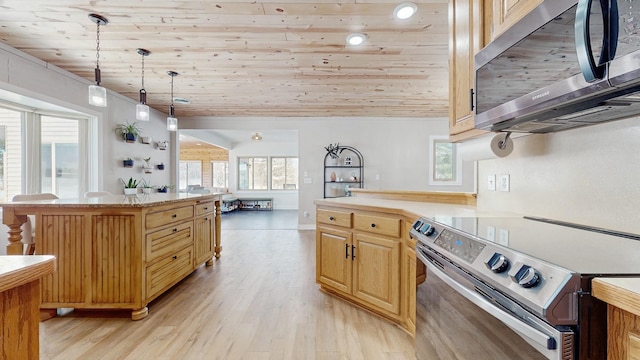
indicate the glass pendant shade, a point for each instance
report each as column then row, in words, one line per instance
column 142, row 112
column 172, row 123
column 97, row 96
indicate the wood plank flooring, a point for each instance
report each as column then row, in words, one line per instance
column 260, row 301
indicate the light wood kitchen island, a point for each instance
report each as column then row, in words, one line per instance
column 118, row 252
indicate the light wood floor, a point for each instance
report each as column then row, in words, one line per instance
column 260, row 301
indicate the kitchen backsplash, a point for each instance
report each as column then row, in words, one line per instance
column 589, row 175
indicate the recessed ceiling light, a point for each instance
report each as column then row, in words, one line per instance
column 180, row 100
column 355, row 39
column 405, row 10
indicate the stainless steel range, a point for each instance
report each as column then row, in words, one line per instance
column 532, row 274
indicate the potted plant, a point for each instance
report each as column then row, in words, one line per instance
column 130, row 187
column 145, row 139
column 161, row 166
column 162, row 145
column 146, row 186
column 148, row 168
column 128, row 162
column 334, row 151
column 128, row 131
column 163, row 188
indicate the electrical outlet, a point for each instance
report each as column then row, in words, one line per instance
column 504, row 182
column 305, row 214
column 491, row 182
column 491, row 232
column 503, row 238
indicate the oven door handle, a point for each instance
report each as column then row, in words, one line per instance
column 534, row 334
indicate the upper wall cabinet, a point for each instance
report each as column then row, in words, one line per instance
column 466, row 38
column 508, row 12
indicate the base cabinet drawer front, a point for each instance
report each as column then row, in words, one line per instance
column 168, row 271
column 334, row 217
column 376, row 272
column 204, row 208
column 381, row 225
column 167, row 241
column 169, row 216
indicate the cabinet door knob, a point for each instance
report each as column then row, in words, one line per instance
column 175, row 257
column 331, row 218
column 174, row 216
column 373, row 225
column 175, row 230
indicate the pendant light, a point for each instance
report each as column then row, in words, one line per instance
column 172, row 121
column 142, row 109
column 256, row 137
column 98, row 94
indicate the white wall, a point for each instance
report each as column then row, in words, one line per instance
column 394, row 148
column 589, row 175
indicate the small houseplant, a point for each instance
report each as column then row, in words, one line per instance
column 148, row 168
column 128, row 131
column 130, row 187
column 163, row 188
column 162, row 145
column 146, row 186
column 161, row 166
column 128, row 162
column 334, row 151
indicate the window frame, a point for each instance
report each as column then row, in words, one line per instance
column 268, row 164
column 271, row 158
column 457, row 162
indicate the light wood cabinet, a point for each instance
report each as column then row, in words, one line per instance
column 508, row 12
column 358, row 257
column 120, row 255
column 466, row 38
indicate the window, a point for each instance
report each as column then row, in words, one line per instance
column 41, row 152
column 220, row 174
column 190, row 173
column 252, row 173
column 284, row 173
column 445, row 165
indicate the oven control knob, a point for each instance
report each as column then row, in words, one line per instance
column 526, row 277
column 427, row 229
column 498, row 263
column 417, row 224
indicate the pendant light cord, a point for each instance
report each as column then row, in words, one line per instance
column 142, row 72
column 98, row 45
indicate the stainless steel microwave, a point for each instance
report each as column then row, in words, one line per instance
column 566, row 64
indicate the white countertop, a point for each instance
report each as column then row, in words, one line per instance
column 16, row 270
column 118, row 200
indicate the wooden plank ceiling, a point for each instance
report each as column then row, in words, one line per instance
column 248, row 58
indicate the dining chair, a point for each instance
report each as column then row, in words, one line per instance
column 29, row 227
column 92, row 194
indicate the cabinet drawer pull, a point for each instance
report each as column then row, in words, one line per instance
column 353, row 252
column 331, row 218
column 206, row 208
column 346, row 251
column 175, row 230
column 174, row 216
column 373, row 225
column 175, row 257
column 206, row 219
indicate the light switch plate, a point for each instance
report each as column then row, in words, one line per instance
column 491, row 182
column 503, row 238
column 491, row 232
column 504, row 183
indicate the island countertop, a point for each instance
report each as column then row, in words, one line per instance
column 622, row 292
column 19, row 270
column 138, row 200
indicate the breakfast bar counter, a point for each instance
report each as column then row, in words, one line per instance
column 117, row 251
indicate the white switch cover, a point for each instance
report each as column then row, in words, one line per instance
column 491, row 182
column 491, row 232
column 504, row 182
column 503, row 237
column 308, row 180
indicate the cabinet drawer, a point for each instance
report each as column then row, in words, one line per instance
column 203, row 208
column 169, row 271
column 333, row 217
column 381, row 225
column 168, row 241
column 169, row 216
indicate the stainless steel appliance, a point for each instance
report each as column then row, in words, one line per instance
column 532, row 274
column 566, row 64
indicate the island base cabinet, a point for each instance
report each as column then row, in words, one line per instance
column 333, row 265
column 19, row 336
column 623, row 335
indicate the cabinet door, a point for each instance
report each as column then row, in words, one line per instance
column 409, row 286
column 508, row 12
column 203, row 241
column 376, row 272
column 333, row 259
column 466, row 38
